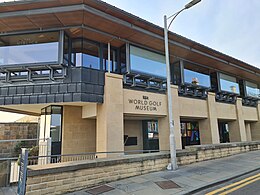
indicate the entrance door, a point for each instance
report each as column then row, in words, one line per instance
column 190, row 134
column 223, row 132
column 150, row 135
column 55, row 130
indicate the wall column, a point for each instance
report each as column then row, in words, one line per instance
column 255, row 127
column 110, row 123
column 164, row 129
column 248, row 132
column 237, row 130
column 209, row 133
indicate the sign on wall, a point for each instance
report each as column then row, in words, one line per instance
column 137, row 102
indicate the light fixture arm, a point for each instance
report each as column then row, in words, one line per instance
column 174, row 16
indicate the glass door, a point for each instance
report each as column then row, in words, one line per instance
column 150, row 135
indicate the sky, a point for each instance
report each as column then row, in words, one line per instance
column 229, row 26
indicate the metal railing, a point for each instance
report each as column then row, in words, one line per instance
column 52, row 159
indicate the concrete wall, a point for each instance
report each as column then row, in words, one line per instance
column 78, row 135
column 74, row 176
column 133, row 128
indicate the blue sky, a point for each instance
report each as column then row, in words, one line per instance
column 229, row 26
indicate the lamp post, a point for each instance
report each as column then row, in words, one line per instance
column 173, row 163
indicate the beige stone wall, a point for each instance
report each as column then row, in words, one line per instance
column 78, row 135
column 69, row 177
column 255, row 127
column 110, row 121
column 133, row 128
column 237, row 130
column 209, row 133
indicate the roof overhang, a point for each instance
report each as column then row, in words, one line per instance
column 102, row 22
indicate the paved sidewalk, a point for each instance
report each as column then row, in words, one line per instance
column 189, row 178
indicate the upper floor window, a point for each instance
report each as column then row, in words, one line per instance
column 113, row 60
column 29, row 48
column 252, row 89
column 86, row 54
column 196, row 75
column 228, row 84
column 147, row 62
column 196, row 78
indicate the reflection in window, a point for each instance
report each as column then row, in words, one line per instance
column 252, row 89
column 229, row 84
column 196, row 78
column 85, row 54
column 113, row 60
column 29, row 48
column 56, row 124
column 147, row 62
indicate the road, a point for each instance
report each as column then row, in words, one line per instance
column 248, row 184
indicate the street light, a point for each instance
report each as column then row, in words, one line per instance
column 173, row 163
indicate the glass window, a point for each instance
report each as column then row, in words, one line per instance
column 29, row 48
column 147, row 62
column 86, row 54
column 229, row 84
column 196, row 78
column 56, row 122
column 252, row 89
column 113, row 60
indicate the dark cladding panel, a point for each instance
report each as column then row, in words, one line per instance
column 72, row 88
column 63, row 88
column 50, row 98
column 25, row 99
column 29, row 90
column 54, row 89
column 9, row 100
column 68, row 97
column 88, row 89
column 33, row 99
column 17, row 100
column 46, row 89
column 20, row 90
column 2, row 101
column 76, row 97
column 4, row 91
column 12, row 91
column 37, row 89
column 42, row 99
column 59, row 98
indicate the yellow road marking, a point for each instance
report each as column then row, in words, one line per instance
column 240, row 186
column 234, row 184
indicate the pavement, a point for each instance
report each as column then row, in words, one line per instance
column 189, row 179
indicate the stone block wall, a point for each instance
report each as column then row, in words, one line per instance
column 11, row 131
column 66, row 177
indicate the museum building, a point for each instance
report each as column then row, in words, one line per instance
column 97, row 77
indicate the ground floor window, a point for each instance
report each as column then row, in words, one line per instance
column 190, row 133
column 223, row 132
column 52, row 116
column 150, row 135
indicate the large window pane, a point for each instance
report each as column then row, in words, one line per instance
column 229, row 84
column 252, row 89
column 86, row 54
column 147, row 62
column 113, row 60
column 196, row 78
column 29, row 48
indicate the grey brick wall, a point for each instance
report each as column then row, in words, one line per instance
column 80, row 85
